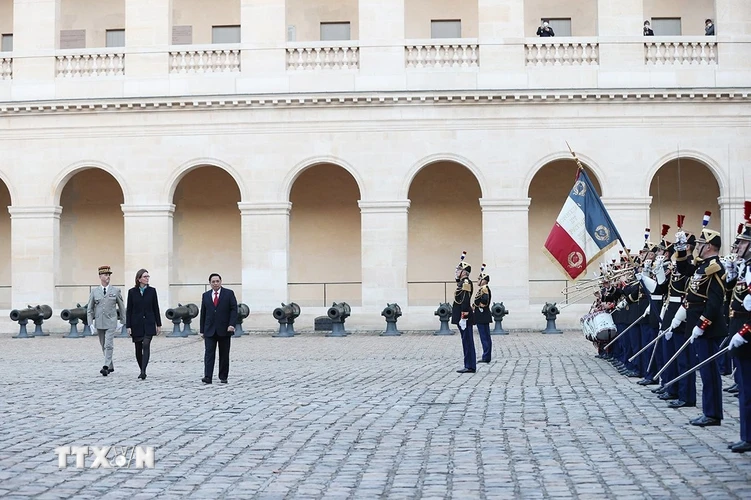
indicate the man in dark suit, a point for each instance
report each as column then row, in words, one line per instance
column 218, row 320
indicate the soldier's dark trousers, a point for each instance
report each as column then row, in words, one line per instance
column 634, row 340
column 744, row 397
column 686, row 360
column 468, row 346
column 621, row 346
column 487, row 343
column 711, row 394
column 669, row 348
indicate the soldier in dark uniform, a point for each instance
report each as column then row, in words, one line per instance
column 481, row 314
column 740, row 329
column 461, row 314
column 704, row 304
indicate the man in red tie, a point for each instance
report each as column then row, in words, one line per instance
column 218, row 320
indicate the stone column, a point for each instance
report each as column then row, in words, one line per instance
column 148, row 35
column 733, row 28
column 265, row 255
column 148, row 245
column 731, row 214
column 505, row 248
column 264, row 30
column 35, row 245
column 501, row 39
column 620, row 26
column 35, row 38
column 384, row 253
column 381, row 45
column 630, row 216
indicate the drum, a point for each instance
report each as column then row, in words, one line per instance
column 603, row 326
column 588, row 327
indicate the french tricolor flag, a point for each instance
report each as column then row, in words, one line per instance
column 583, row 230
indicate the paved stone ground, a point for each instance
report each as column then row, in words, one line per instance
column 357, row 417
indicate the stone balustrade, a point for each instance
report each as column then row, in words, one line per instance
column 204, row 60
column 562, row 51
column 6, row 68
column 665, row 51
column 444, row 53
column 323, row 56
column 89, row 63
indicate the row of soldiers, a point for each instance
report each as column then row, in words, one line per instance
column 690, row 304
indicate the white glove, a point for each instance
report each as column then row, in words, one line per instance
column 731, row 269
column 638, row 276
column 675, row 324
column 660, row 275
column 696, row 333
column 669, row 335
column 646, row 311
column 647, row 265
column 748, row 275
column 747, row 302
column 463, row 324
column 736, row 341
column 680, row 241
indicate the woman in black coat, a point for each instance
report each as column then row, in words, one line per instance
column 142, row 318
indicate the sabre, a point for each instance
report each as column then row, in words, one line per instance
column 652, row 358
column 675, row 356
column 624, row 331
column 632, row 358
column 700, row 365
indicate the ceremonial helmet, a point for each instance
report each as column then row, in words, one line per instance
column 709, row 236
column 463, row 264
column 745, row 233
column 665, row 246
column 648, row 245
column 483, row 275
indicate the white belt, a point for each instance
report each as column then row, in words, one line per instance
column 675, row 299
column 656, row 297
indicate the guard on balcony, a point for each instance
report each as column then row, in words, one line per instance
column 461, row 313
column 482, row 316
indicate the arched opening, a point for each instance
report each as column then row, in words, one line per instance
column 5, row 249
column 445, row 219
column 548, row 191
column 325, row 238
column 206, row 234
column 91, row 235
column 683, row 186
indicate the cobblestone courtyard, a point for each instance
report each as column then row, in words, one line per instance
column 357, row 417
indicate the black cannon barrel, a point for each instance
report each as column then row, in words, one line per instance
column 443, row 310
column 243, row 311
column 188, row 311
column 391, row 311
column 28, row 313
column 288, row 311
column 73, row 313
column 339, row 310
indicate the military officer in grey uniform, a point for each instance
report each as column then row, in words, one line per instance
column 103, row 310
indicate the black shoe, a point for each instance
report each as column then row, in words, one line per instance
column 466, row 370
column 104, row 371
column 206, row 380
column 633, row 374
column 705, row 421
column 110, row 369
column 647, row 381
column 732, row 445
column 667, row 397
column 658, row 390
column 728, row 389
column 142, row 376
column 680, row 404
column 223, row 381
column 734, row 390
column 743, row 447
column 483, row 361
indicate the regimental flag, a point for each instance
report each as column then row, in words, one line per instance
column 583, row 230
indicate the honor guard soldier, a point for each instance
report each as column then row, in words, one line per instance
column 461, row 314
column 704, row 304
column 481, row 314
column 740, row 328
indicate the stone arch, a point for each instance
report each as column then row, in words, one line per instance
column 190, row 165
column 689, row 154
column 587, row 161
column 439, row 157
column 307, row 163
column 9, row 186
column 71, row 170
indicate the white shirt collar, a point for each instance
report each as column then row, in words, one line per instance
column 217, row 292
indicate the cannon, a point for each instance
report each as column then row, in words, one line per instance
column 36, row 314
column 243, row 311
column 73, row 316
column 391, row 312
column 184, row 314
column 444, row 315
column 338, row 312
column 286, row 316
column 498, row 311
column 550, row 311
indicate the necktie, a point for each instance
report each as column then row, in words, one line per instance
column 104, row 291
column 216, row 298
